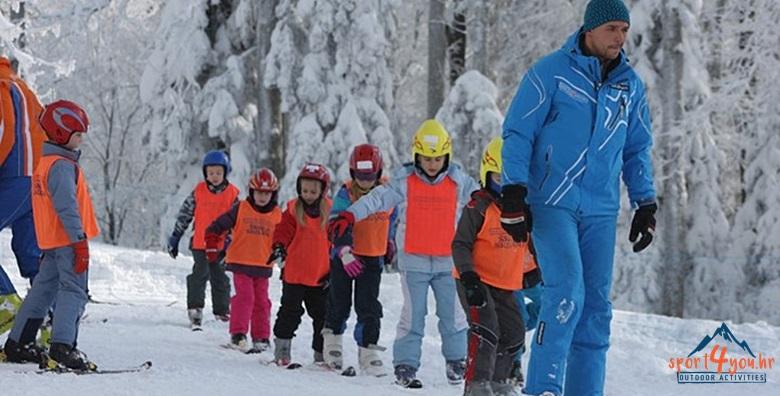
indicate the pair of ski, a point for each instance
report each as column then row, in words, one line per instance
column 58, row 369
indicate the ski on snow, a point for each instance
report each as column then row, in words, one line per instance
column 64, row 370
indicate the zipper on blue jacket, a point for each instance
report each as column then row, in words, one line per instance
column 619, row 116
column 547, row 159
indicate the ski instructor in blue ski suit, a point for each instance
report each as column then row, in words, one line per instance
column 579, row 119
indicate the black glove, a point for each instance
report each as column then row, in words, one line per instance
column 277, row 254
column 515, row 214
column 173, row 246
column 644, row 224
column 475, row 295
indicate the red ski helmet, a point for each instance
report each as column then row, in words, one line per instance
column 63, row 118
column 314, row 172
column 264, row 180
column 365, row 162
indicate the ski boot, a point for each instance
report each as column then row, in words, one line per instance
column 282, row 347
column 516, row 374
column 9, row 306
column 196, row 318
column 406, row 376
column 456, row 369
column 44, row 335
column 222, row 317
column 370, row 362
column 27, row 353
column 478, row 388
column 238, row 341
column 332, row 349
column 505, row 388
column 64, row 355
column 259, row 346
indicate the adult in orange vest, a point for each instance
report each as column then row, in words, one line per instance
column 64, row 222
column 212, row 197
column 301, row 242
column 251, row 224
column 21, row 141
column 429, row 194
column 358, row 258
column 490, row 266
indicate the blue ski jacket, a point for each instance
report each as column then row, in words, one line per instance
column 569, row 134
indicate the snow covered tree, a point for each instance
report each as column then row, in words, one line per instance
column 472, row 118
column 329, row 60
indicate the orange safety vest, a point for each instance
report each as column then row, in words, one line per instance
column 208, row 207
column 369, row 236
column 307, row 255
column 498, row 259
column 252, row 236
column 49, row 230
column 430, row 216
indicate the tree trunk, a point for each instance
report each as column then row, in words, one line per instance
column 674, row 267
column 456, row 46
column 269, row 118
column 17, row 18
column 478, row 39
column 437, row 56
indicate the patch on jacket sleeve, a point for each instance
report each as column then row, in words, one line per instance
column 571, row 92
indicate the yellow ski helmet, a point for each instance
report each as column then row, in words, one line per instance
column 491, row 159
column 431, row 140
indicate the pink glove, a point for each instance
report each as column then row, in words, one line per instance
column 352, row 266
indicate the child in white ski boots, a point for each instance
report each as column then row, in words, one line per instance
column 429, row 193
column 357, row 258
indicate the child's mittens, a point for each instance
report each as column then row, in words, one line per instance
column 338, row 226
column 80, row 256
column 278, row 255
column 173, row 246
column 212, row 248
column 352, row 265
column 472, row 287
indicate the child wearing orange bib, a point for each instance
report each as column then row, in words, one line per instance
column 429, row 194
column 301, row 241
column 251, row 224
column 64, row 223
column 490, row 266
column 357, row 259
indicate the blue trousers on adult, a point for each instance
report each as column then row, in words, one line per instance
column 453, row 327
column 16, row 212
column 569, row 348
column 56, row 281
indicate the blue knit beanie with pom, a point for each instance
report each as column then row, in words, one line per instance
column 600, row 12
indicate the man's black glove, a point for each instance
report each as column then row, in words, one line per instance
column 644, row 224
column 278, row 254
column 475, row 295
column 515, row 214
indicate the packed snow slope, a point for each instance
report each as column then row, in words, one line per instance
column 146, row 320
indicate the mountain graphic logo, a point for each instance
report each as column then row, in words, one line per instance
column 724, row 333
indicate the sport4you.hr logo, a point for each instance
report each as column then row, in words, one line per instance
column 722, row 358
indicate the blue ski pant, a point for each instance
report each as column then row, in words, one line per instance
column 453, row 326
column 569, row 348
column 56, row 281
column 16, row 212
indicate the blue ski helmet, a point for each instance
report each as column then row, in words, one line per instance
column 216, row 157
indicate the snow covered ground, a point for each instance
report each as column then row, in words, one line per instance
column 149, row 323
